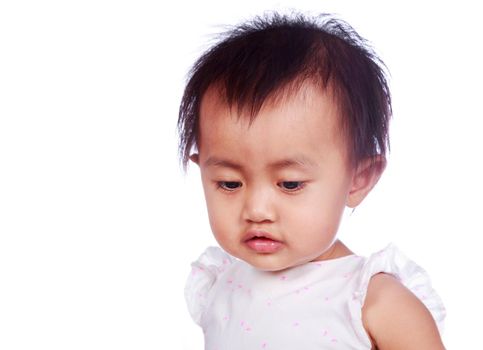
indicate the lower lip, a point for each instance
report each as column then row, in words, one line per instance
column 264, row 245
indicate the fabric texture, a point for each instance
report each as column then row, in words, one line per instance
column 312, row 306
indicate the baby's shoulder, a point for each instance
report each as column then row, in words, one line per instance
column 205, row 272
column 391, row 312
column 399, row 300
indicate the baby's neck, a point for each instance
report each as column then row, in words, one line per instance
column 336, row 250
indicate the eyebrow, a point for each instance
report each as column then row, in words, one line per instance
column 292, row 162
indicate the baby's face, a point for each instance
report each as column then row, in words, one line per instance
column 275, row 189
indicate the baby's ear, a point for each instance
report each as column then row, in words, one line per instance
column 365, row 178
column 195, row 158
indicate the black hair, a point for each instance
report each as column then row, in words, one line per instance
column 262, row 58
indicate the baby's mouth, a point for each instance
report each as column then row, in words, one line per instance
column 261, row 242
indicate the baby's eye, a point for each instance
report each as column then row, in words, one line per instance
column 291, row 185
column 229, row 185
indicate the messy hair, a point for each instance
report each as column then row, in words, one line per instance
column 261, row 59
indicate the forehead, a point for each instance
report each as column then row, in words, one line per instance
column 303, row 121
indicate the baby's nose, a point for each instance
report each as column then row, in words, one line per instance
column 259, row 206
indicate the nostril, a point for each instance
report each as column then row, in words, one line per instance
column 260, row 221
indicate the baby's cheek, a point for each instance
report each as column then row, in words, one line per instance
column 223, row 226
column 321, row 222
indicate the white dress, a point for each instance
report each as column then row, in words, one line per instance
column 312, row 306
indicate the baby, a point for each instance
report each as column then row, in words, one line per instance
column 287, row 118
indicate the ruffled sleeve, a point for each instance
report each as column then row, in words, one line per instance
column 204, row 273
column 390, row 260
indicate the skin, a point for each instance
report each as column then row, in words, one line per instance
column 396, row 319
column 288, row 175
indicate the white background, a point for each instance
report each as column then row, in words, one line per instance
column 98, row 225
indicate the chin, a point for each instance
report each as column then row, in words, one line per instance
column 267, row 265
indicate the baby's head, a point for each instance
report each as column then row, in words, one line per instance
column 287, row 118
